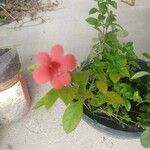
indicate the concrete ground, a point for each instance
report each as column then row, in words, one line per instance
column 42, row 130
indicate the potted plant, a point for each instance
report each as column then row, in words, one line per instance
column 112, row 86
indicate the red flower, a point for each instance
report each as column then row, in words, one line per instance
column 54, row 67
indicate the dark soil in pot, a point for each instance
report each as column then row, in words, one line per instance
column 9, row 64
column 107, row 121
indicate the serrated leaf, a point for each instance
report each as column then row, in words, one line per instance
column 93, row 11
column 113, row 98
column 122, row 33
column 48, row 100
column 67, row 94
column 140, row 74
column 92, row 21
column 33, row 67
column 102, row 86
column 124, row 72
column 80, row 77
column 96, row 101
column 145, row 138
column 72, row 116
column 114, row 76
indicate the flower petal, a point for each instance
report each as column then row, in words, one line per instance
column 69, row 62
column 43, row 74
column 43, row 58
column 61, row 80
column 57, row 52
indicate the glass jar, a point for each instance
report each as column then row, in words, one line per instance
column 14, row 97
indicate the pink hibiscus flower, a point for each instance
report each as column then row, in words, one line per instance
column 54, row 68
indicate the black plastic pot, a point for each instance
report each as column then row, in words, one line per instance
column 105, row 123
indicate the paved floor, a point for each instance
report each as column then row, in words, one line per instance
column 41, row 130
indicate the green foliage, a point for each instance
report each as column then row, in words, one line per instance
column 127, row 104
column 72, row 116
column 67, row 94
column 145, row 138
column 114, row 84
column 80, row 77
column 146, row 55
column 48, row 100
column 93, row 11
column 118, row 75
column 97, row 101
column 102, row 7
column 102, row 86
column 140, row 74
column 92, row 21
column 137, row 97
column 114, row 75
column 122, row 33
column 32, row 67
column 113, row 98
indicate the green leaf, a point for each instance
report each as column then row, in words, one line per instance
column 114, row 76
column 102, row 7
column 92, row 21
column 126, row 90
column 127, row 104
column 102, row 76
column 110, row 19
column 33, row 67
column 145, row 107
column 93, row 11
column 109, row 111
column 146, row 55
column 140, row 74
column 124, row 72
column 102, row 86
column 100, row 1
column 96, row 101
column 39, row 104
column 134, row 64
column 136, row 97
column 101, row 18
column 80, row 77
column 113, row 98
column 122, row 33
column 117, row 25
column 113, row 4
column 72, row 116
column 145, row 138
column 48, row 100
column 122, row 61
column 128, row 49
column 67, row 94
